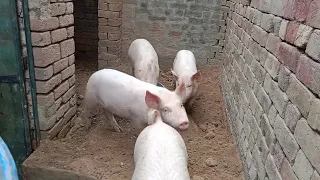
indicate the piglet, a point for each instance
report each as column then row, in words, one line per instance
column 185, row 71
column 126, row 96
column 143, row 61
column 160, row 152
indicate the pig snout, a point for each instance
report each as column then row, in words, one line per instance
column 184, row 125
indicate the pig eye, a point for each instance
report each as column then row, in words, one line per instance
column 181, row 105
column 189, row 86
column 165, row 110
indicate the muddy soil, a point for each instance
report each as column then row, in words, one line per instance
column 106, row 154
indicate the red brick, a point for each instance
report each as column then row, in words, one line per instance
column 313, row 17
column 308, row 72
column 175, row 33
column 291, row 32
column 44, row 24
column 302, row 9
column 288, row 56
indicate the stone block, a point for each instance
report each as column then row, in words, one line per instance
column 315, row 176
column 313, row 17
column 283, row 29
column 67, row 48
column 313, row 45
column 62, row 110
column 40, row 39
column 287, row 172
column 273, row 43
column 259, row 35
column 46, row 55
column 260, row 166
column 64, row 130
column 288, row 55
column 267, row 131
column 57, row 9
column 263, row 147
column 46, row 123
column 66, row 97
column 291, row 32
column 299, row 95
column 115, row 7
column 303, row 35
column 108, row 14
column 45, row 100
column 284, row 77
column 308, row 72
column 272, row 115
column 58, row 103
column 56, row 128
column 262, row 97
column 272, row 65
column 44, row 24
column 73, row 100
column 70, row 31
column 271, row 169
column 292, row 115
column 258, row 71
column 70, row 114
column 68, row 72
column 43, row 73
column 314, row 115
column 309, row 142
column 61, row 89
column 286, row 139
column 69, row 8
column 114, row 22
column 109, row 29
column 302, row 167
column 44, row 87
column 59, row 35
column 267, row 22
column 108, row 43
column 278, row 155
column 60, row 65
column 253, row 172
column 72, row 80
column 66, row 20
column 276, row 25
column 71, row 59
column 278, row 97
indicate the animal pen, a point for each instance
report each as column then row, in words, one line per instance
column 257, row 115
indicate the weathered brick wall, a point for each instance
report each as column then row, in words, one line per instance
column 86, row 29
column 109, row 27
column 52, row 34
column 271, row 85
column 172, row 25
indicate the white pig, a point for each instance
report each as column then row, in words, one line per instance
column 185, row 71
column 143, row 61
column 160, row 152
column 126, row 96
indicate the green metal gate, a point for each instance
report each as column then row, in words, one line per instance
column 14, row 122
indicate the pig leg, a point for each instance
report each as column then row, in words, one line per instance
column 89, row 105
column 131, row 70
column 112, row 121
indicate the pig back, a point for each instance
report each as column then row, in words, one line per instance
column 160, row 153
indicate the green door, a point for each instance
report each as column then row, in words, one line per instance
column 14, row 123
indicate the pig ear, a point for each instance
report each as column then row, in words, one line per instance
column 196, row 77
column 181, row 90
column 174, row 73
column 152, row 100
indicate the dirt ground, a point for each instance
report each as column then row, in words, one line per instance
column 106, row 154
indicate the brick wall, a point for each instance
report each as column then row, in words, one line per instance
column 174, row 25
column 52, row 34
column 86, row 29
column 109, row 27
column 271, row 85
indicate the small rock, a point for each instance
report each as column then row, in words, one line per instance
column 210, row 135
column 211, row 162
column 203, row 128
column 216, row 124
column 196, row 177
column 225, row 165
column 220, row 142
column 80, row 97
column 121, row 164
